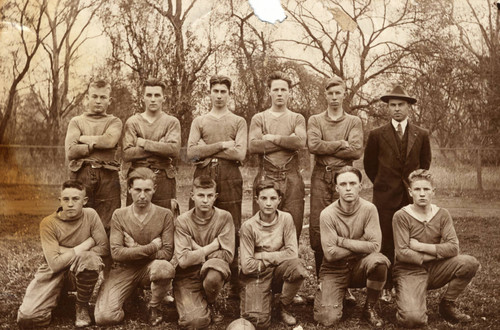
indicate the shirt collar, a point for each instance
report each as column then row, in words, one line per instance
column 403, row 123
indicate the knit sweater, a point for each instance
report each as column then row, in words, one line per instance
column 439, row 230
column 104, row 132
column 270, row 243
column 208, row 132
column 189, row 227
column 290, row 128
column 335, row 142
column 344, row 234
column 158, row 223
column 57, row 232
column 163, row 140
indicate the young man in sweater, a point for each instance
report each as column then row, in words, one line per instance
column 91, row 144
column 277, row 135
column 336, row 140
column 217, row 145
column 426, row 247
column 152, row 139
column 204, row 248
column 269, row 259
column 350, row 238
column 142, row 246
column 73, row 242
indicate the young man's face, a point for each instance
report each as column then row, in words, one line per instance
column 142, row 192
column 72, row 201
column 279, row 92
column 203, row 198
column 98, row 99
column 422, row 192
column 268, row 201
column 153, row 98
column 335, row 96
column 398, row 109
column 348, row 187
column 219, row 95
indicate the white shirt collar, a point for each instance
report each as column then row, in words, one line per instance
column 404, row 123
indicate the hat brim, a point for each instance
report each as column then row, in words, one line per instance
column 408, row 99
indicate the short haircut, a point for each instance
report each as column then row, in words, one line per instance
column 220, row 79
column 348, row 169
column 267, row 184
column 278, row 75
column 154, row 82
column 100, row 83
column 335, row 81
column 77, row 184
column 420, row 174
column 204, row 182
column 142, row 173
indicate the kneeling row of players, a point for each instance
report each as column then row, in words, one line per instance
column 195, row 253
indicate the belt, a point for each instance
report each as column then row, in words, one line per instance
column 328, row 168
column 217, row 161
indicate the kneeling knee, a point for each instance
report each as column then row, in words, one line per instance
column 28, row 322
column 412, row 319
column 328, row 317
column 108, row 317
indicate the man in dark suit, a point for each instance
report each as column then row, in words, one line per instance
column 392, row 152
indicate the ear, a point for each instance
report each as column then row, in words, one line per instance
column 336, row 188
column 85, row 200
column 191, row 195
column 216, row 195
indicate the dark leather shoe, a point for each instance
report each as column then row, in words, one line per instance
column 286, row 316
column 371, row 316
column 349, row 299
column 155, row 316
column 450, row 312
column 216, row 315
column 82, row 316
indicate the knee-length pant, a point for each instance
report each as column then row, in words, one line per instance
column 257, row 290
column 413, row 281
column 44, row 290
column 336, row 277
column 123, row 280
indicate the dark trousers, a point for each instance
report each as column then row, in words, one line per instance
column 322, row 194
column 103, row 190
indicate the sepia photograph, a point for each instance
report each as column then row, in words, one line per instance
column 250, row 164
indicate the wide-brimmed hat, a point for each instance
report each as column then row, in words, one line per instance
column 398, row 93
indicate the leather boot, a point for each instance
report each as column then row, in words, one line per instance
column 286, row 316
column 371, row 316
column 450, row 312
column 82, row 316
column 215, row 313
column 155, row 316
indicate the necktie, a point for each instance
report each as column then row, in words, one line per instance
column 399, row 130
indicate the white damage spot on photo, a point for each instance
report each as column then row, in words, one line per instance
column 268, row 10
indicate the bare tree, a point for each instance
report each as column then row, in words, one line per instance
column 68, row 21
column 27, row 16
column 360, row 48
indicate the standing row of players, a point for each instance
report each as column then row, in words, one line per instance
column 217, row 144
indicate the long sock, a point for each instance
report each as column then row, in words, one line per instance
column 455, row 288
column 375, row 283
column 289, row 291
column 159, row 290
column 85, row 282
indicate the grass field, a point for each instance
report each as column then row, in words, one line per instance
column 20, row 254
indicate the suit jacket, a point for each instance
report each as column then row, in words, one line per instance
column 388, row 170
